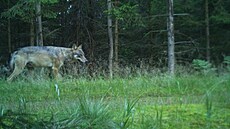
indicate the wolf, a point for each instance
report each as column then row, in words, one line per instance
column 44, row 56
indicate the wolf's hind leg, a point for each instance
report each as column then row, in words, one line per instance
column 55, row 72
column 18, row 68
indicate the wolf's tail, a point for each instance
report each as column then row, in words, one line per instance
column 12, row 60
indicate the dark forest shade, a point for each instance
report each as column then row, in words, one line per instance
column 142, row 28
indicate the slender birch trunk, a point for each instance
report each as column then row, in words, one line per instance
column 110, row 33
column 171, row 42
column 116, row 40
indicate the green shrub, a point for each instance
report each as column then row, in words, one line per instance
column 17, row 120
column 91, row 115
column 227, row 62
column 202, row 66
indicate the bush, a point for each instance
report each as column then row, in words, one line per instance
column 227, row 62
column 202, row 66
column 92, row 115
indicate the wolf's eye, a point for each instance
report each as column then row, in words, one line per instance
column 79, row 54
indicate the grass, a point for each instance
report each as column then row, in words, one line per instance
column 184, row 101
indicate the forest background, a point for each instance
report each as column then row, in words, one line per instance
column 132, row 39
column 139, row 29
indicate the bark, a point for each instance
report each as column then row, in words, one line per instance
column 116, row 40
column 171, row 42
column 39, row 23
column 9, row 36
column 116, row 43
column 9, row 31
column 207, row 31
column 110, row 33
column 32, row 33
column 90, row 25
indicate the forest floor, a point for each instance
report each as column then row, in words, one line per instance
column 141, row 102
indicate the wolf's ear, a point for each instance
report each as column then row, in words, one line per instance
column 79, row 47
column 74, row 47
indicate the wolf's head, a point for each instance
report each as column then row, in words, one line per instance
column 78, row 53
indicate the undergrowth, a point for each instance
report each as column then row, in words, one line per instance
column 140, row 100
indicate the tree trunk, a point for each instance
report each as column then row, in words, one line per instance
column 9, row 31
column 39, row 23
column 91, row 13
column 116, row 41
column 32, row 32
column 9, row 36
column 171, row 42
column 110, row 33
column 207, row 31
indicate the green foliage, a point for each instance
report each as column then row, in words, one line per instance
column 142, row 24
column 127, row 14
column 221, row 14
column 93, row 115
column 202, row 66
column 26, row 10
column 18, row 120
column 227, row 60
column 222, row 17
column 157, row 7
column 124, row 11
column 48, row 1
column 22, row 8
